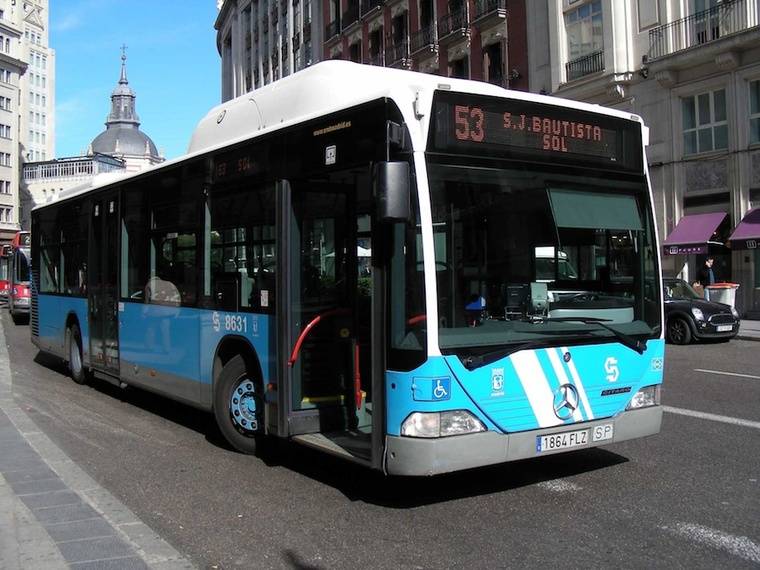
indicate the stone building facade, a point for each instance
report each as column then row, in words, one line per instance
column 691, row 69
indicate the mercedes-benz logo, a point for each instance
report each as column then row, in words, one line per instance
column 565, row 401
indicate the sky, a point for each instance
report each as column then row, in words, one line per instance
column 172, row 65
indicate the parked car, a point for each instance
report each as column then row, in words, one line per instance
column 690, row 317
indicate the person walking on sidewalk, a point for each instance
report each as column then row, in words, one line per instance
column 706, row 276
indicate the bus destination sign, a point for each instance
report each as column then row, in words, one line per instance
column 489, row 125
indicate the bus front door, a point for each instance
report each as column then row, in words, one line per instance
column 102, row 285
column 328, row 314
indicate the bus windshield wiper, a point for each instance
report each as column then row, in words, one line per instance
column 634, row 344
column 473, row 361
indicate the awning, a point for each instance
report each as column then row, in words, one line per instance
column 692, row 233
column 747, row 233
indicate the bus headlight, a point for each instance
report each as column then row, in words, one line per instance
column 440, row 424
column 648, row 396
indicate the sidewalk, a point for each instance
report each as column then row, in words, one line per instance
column 55, row 516
column 749, row 330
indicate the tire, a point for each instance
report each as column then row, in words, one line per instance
column 75, row 362
column 679, row 331
column 239, row 407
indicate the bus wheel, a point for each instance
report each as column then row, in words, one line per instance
column 239, row 406
column 76, row 366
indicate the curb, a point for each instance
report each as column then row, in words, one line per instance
column 741, row 336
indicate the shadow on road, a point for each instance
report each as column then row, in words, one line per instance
column 358, row 483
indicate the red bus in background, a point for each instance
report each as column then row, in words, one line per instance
column 19, row 292
column 5, row 258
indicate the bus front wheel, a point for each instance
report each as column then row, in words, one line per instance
column 76, row 365
column 239, row 406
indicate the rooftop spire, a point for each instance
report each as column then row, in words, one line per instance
column 123, row 78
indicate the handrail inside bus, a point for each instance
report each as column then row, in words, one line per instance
column 307, row 329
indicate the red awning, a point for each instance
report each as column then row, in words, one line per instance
column 747, row 233
column 692, row 233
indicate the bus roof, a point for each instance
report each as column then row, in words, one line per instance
column 322, row 89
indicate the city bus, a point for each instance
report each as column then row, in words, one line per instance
column 348, row 259
column 5, row 259
column 19, row 286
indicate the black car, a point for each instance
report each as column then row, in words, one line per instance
column 688, row 316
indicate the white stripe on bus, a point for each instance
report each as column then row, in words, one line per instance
column 579, row 387
column 536, row 387
column 559, row 370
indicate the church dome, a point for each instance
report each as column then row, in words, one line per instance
column 123, row 136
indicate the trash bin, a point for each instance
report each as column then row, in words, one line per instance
column 722, row 293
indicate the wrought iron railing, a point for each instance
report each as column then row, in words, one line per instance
column 351, row 15
column 585, row 65
column 369, row 5
column 423, row 38
column 396, row 52
column 453, row 22
column 485, row 8
column 332, row 29
column 729, row 17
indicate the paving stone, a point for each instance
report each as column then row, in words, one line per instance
column 67, row 513
column 95, row 549
column 133, row 563
column 41, row 486
column 92, row 528
column 51, row 499
column 29, row 475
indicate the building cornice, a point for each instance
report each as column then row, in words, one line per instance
column 6, row 26
column 20, row 65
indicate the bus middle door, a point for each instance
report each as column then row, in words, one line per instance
column 103, row 286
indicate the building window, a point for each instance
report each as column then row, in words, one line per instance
column 704, row 122
column 5, row 159
column 754, row 112
column 5, row 103
column 584, row 30
column 5, row 131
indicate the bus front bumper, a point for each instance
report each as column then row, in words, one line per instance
column 409, row 456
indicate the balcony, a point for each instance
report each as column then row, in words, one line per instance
column 397, row 54
column 453, row 25
column 376, row 59
column 424, row 41
column 368, row 6
column 351, row 15
column 726, row 19
column 586, row 65
column 332, row 30
column 489, row 12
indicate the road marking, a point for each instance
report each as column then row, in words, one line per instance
column 740, row 546
column 559, row 486
column 727, row 373
column 712, row 417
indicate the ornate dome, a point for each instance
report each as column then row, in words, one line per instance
column 123, row 135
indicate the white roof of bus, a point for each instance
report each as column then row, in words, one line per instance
column 328, row 87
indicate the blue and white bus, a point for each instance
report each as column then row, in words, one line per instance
column 355, row 258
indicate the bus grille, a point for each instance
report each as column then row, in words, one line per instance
column 34, row 321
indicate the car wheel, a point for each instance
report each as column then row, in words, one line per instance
column 239, row 406
column 679, row 331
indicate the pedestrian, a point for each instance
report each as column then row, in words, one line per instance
column 706, row 276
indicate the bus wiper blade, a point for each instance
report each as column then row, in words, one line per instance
column 474, row 361
column 634, row 344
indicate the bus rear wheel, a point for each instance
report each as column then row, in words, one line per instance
column 239, row 406
column 76, row 365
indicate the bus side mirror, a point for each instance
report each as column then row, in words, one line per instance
column 392, row 191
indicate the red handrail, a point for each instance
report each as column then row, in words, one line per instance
column 305, row 332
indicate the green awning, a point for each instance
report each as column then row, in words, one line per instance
column 594, row 210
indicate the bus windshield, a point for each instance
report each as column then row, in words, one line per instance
column 524, row 255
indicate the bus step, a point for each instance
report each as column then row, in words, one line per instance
column 324, row 443
column 108, row 378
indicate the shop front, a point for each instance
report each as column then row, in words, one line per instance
column 745, row 241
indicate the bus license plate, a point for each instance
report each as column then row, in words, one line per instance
column 564, row 440
column 724, row 328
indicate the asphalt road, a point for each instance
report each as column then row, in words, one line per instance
column 688, row 497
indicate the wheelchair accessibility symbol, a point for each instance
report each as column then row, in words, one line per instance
column 442, row 389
